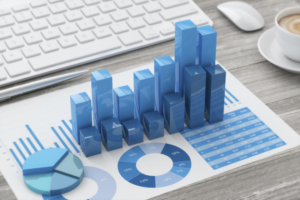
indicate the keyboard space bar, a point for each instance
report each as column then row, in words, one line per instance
column 74, row 53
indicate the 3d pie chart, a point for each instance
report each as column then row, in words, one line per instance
column 128, row 165
column 52, row 171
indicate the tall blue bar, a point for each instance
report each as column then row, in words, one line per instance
column 185, row 50
column 174, row 112
column 215, row 93
column 81, row 113
column 124, row 103
column 195, row 83
column 164, row 70
column 206, row 46
column 102, row 96
column 144, row 84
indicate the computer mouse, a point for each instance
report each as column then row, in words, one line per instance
column 243, row 15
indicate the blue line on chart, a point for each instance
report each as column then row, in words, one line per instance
column 32, row 145
column 33, row 135
column 55, row 143
column 231, row 95
column 24, row 145
column 228, row 99
column 18, row 148
column 66, row 125
column 58, row 136
column 69, row 139
column 16, row 158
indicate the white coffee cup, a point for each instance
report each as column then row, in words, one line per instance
column 289, row 42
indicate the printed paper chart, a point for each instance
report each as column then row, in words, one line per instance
column 128, row 169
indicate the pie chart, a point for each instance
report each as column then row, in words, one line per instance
column 52, row 171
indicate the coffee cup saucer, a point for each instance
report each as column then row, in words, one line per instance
column 270, row 50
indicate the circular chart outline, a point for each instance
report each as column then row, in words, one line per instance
column 96, row 175
column 128, row 161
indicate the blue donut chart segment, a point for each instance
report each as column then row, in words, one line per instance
column 128, row 170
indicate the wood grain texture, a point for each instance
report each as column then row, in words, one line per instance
column 277, row 177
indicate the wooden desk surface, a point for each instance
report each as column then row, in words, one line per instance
column 277, row 177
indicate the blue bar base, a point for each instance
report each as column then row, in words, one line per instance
column 215, row 93
column 173, row 105
column 133, row 132
column 124, row 103
column 90, row 141
column 195, row 83
column 111, row 132
column 81, row 110
column 154, row 125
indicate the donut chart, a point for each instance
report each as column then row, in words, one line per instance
column 128, row 169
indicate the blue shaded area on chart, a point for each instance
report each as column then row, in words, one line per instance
column 240, row 136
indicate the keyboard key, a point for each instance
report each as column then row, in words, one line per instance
column 168, row 30
column 119, row 16
column 19, row 8
column 58, row 8
column 102, row 32
column 102, row 20
column 23, row 17
column 178, row 12
column 152, row 7
column 91, row 2
column 90, row 11
column 54, row 1
column 18, row 68
column 85, row 37
column 21, row 29
column 4, row 11
column 14, row 43
column 1, row 63
column 75, row 53
column 37, row 25
column 50, row 34
column 2, row 47
column 136, row 23
column 130, row 38
column 74, row 4
column 149, row 33
column 137, row 2
column 48, row 47
column 68, row 29
column 40, row 12
column 5, row 33
column 119, row 28
column 32, row 51
column 33, row 38
column 56, row 20
column 85, row 25
column 152, row 19
column 123, row 3
column 2, row 74
column 38, row 3
column 12, row 56
column 169, row 4
column 67, row 42
column 107, row 7
column 73, row 16
column 135, row 11
column 6, row 21
column 199, row 21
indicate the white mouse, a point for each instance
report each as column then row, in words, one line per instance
column 242, row 15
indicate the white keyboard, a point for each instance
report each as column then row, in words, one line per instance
column 42, row 36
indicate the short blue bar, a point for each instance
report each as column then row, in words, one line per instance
column 195, row 84
column 31, row 144
column 33, row 135
column 164, row 70
column 70, row 141
column 81, row 110
column 67, row 126
column 215, row 93
column 111, row 132
column 16, row 158
column 18, row 148
column 133, row 131
column 25, row 146
column 124, row 103
column 102, row 96
column 144, row 84
column 61, row 140
column 231, row 95
column 206, row 46
column 185, row 50
column 174, row 112
column 154, row 125
column 55, row 143
column 90, row 141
